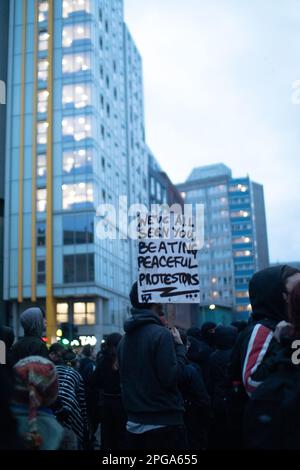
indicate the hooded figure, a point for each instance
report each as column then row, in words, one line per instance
column 256, row 348
column 151, row 360
column 225, row 338
column 31, row 343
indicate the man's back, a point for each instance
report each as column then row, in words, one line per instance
column 150, row 363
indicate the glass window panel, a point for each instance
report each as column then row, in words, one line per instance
column 68, row 228
column 80, row 62
column 91, row 307
column 78, row 95
column 78, row 195
column 62, row 308
column 77, row 127
column 90, row 318
column 79, row 319
column 43, row 101
column 41, row 233
column 43, row 40
column 69, row 268
column 91, row 267
column 81, row 268
column 43, row 69
column 41, row 202
column 78, row 32
column 73, row 6
column 41, row 165
column 79, row 307
column 43, row 11
column 78, row 161
column 42, row 129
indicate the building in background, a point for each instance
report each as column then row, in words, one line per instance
column 161, row 188
column 4, row 20
column 75, row 139
column 235, row 237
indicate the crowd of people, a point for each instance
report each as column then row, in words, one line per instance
column 160, row 387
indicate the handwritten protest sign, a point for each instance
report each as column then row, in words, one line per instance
column 168, row 270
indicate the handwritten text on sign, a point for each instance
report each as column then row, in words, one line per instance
column 167, row 271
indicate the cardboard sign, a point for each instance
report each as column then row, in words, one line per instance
column 167, row 271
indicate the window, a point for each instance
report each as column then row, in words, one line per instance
column 62, row 313
column 84, row 313
column 80, row 32
column 79, row 268
column 78, row 161
column 72, row 63
column 42, row 129
column 240, row 240
column 43, row 40
column 41, row 199
column 78, row 229
column 77, row 127
column 73, row 6
column 239, row 254
column 238, row 188
column 41, row 165
column 43, row 101
column 43, row 11
column 239, row 214
column 78, row 95
column 78, row 195
column 41, row 271
column 41, row 234
column 43, row 69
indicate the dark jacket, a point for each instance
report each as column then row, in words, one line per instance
column 28, row 346
column 106, row 378
column 150, row 366
column 31, row 344
column 256, row 349
column 219, row 361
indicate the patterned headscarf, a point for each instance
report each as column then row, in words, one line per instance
column 36, row 386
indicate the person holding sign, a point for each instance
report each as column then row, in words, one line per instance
column 151, row 359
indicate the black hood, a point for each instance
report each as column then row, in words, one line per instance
column 140, row 318
column 225, row 337
column 266, row 290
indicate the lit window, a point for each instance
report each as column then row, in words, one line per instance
column 77, row 32
column 78, row 95
column 41, row 271
column 72, row 63
column 240, row 240
column 43, row 101
column 43, row 70
column 242, row 294
column 78, row 127
column 84, row 313
column 240, row 213
column 62, row 313
column 72, row 6
column 41, row 165
column 43, row 11
column 42, row 129
column 77, row 195
column 78, row 161
column 41, row 199
column 239, row 254
column 43, row 40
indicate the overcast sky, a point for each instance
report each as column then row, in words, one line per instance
column 218, row 78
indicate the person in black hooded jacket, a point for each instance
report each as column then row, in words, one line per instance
column 225, row 338
column 151, row 360
column 256, row 347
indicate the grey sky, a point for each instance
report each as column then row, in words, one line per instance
column 218, row 78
